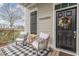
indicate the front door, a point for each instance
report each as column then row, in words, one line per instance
column 66, row 29
column 33, row 23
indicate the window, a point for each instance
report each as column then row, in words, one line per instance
column 70, row 4
column 63, row 5
column 57, row 6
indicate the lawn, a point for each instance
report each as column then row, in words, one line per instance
column 8, row 36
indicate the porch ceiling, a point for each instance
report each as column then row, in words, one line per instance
column 28, row 4
column 25, row 4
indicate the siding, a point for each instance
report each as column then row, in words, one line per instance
column 45, row 21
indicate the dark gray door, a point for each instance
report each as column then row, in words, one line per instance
column 66, row 29
column 33, row 23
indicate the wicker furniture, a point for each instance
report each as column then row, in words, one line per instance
column 41, row 42
column 31, row 38
column 22, row 38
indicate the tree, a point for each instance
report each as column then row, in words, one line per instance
column 10, row 12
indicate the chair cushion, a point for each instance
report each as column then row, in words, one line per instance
column 23, row 32
column 35, row 44
column 43, row 36
column 22, row 36
column 19, row 39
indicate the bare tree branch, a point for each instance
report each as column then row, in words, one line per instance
column 9, row 14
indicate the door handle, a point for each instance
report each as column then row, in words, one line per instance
column 75, row 34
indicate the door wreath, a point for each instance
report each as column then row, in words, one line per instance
column 65, row 22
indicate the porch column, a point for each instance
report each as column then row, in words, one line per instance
column 24, row 15
column 26, row 20
column 77, row 29
column 53, row 27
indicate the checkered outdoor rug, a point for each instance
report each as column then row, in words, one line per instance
column 20, row 50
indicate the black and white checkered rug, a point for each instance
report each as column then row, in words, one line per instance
column 20, row 50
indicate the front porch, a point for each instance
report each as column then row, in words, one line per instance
column 46, row 20
column 44, row 17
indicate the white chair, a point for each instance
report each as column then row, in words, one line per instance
column 22, row 38
column 41, row 42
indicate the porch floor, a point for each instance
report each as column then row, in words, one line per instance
column 20, row 50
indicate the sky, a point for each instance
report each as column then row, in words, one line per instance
column 19, row 12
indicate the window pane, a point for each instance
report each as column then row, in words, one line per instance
column 70, row 4
column 64, row 5
column 57, row 6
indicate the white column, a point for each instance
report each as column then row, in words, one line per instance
column 53, row 27
column 27, row 19
column 77, row 30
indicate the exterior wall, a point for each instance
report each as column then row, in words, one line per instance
column 31, row 9
column 44, row 12
column 46, row 23
column 45, row 20
column 27, row 17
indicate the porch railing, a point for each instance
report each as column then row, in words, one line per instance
column 8, row 35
